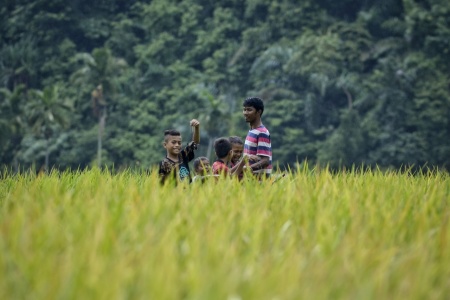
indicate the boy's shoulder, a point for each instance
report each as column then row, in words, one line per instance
column 219, row 166
column 168, row 161
column 261, row 129
column 188, row 151
column 190, row 147
column 166, row 165
column 219, row 162
column 255, row 132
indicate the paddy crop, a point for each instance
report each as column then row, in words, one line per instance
column 311, row 235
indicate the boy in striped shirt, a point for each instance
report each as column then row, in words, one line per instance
column 257, row 141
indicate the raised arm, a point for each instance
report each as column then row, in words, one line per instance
column 196, row 135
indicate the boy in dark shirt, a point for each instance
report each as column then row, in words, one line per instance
column 177, row 159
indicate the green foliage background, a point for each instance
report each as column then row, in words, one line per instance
column 349, row 82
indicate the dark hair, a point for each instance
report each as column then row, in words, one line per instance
column 198, row 161
column 172, row 132
column 255, row 102
column 235, row 140
column 222, row 146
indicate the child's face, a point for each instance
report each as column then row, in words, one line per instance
column 203, row 168
column 173, row 145
column 238, row 149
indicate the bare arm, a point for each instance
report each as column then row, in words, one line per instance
column 248, row 158
column 196, row 135
column 237, row 169
column 261, row 164
column 234, row 168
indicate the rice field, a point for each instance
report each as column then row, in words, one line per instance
column 311, row 235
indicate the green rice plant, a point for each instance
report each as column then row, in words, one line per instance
column 314, row 234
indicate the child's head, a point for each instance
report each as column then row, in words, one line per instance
column 172, row 141
column 201, row 166
column 237, row 145
column 222, row 147
column 254, row 102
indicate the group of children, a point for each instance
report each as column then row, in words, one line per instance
column 234, row 157
column 229, row 154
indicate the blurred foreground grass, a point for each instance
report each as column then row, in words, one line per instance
column 311, row 235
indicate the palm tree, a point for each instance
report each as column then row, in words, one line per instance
column 18, row 63
column 99, row 69
column 11, row 119
column 215, row 117
column 269, row 71
column 47, row 112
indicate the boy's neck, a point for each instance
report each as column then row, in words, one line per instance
column 256, row 124
column 172, row 157
column 225, row 160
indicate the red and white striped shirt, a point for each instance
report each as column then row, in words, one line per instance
column 258, row 143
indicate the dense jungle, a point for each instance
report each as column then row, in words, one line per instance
column 86, row 83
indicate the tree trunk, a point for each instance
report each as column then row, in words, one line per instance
column 210, row 146
column 349, row 98
column 16, row 140
column 47, row 155
column 101, row 128
column 16, row 164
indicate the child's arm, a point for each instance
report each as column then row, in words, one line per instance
column 249, row 158
column 261, row 164
column 188, row 151
column 237, row 169
column 196, row 135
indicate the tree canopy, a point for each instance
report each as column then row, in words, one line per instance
column 344, row 83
